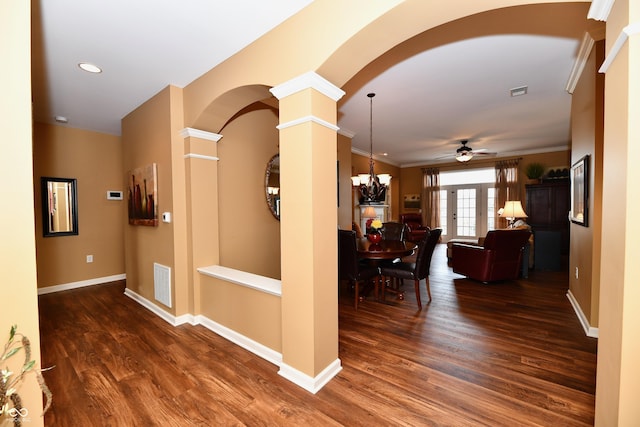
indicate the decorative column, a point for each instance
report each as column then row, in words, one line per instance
column 618, row 373
column 201, row 197
column 308, row 229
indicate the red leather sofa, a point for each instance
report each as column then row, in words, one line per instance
column 500, row 257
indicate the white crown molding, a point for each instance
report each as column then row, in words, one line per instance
column 626, row 32
column 306, row 119
column 306, row 81
column 346, row 132
column 202, row 134
column 600, row 9
column 579, row 63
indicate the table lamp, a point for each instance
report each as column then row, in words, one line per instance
column 512, row 210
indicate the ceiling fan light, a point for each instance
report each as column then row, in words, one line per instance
column 464, row 156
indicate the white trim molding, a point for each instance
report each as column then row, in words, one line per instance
column 580, row 62
column 81, row 284
column 306, row 119
column 311, row 384
column 600, row 9
column 589, row 330
column 155, row 309
column 243, row 278
column 202, row 134
column 248, row 344
column 306, row 81
column 200, row 156
column 626, row 32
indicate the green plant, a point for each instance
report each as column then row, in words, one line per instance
column 534, row 170
column 10, row 381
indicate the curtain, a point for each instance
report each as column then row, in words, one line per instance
column 431, row 197
column 507, row 186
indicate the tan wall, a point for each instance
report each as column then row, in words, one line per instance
column 146, row 138
column 618, row 376
column 587, row 120
column 19, row 303
column 360, row 164
column 95, row 161
column 250, row 234
column 254, row 314
column 411, row 178
column 344, row 183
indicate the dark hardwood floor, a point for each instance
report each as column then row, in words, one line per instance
column 505, row 354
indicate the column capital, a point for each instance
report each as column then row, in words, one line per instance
column 202, row 134
column 306, row 81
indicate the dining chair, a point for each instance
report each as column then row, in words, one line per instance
column 417, row 270
column 394, row 231
column 349, row 267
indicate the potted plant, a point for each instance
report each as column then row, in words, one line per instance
column 10, row 402
column 534, row 172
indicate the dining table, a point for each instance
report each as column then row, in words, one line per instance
column 385, row 249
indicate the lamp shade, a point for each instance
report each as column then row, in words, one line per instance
column 513, row 209
column 369, row 212
column 385, row 178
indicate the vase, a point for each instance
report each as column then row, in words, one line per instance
column 374, row 237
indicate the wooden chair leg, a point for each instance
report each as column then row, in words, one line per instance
column 417, row 284
column 357, row 292
column 428, row 287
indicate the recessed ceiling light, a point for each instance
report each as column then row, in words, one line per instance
column 61, row 119
column 518, row 91
column 90, row 67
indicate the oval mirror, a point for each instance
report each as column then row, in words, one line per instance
column 272, row 185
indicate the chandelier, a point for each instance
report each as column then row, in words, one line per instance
column 372, row 187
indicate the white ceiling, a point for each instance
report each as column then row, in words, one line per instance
column 422, row 107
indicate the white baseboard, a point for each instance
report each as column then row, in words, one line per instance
column 247, row 343
column 308, row 383
column 81, row 284
column 588, row 329
column 311, row 384
column 155, row 309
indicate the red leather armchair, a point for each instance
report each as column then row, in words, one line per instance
column 499, row 259
column 416, row 231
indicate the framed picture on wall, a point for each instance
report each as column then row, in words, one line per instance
column 579, row 213
column 143, row 196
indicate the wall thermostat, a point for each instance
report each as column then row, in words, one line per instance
column 114, row 195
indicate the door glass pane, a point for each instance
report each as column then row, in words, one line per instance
column 443, row 211
column 466, row 212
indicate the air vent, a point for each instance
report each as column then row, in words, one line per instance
column 162, row 283
column 519, row 91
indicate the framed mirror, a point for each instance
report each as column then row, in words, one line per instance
column 59, row 206
column 272, row 185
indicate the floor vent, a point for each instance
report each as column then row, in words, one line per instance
column 162, row 283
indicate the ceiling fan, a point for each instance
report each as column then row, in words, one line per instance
column 464, row 153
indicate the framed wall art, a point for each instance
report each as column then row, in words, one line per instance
column 143, row 196
column 579, row 213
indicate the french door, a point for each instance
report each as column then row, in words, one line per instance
column 466, row 211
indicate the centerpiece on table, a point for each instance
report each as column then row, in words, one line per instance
column 374, row 230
